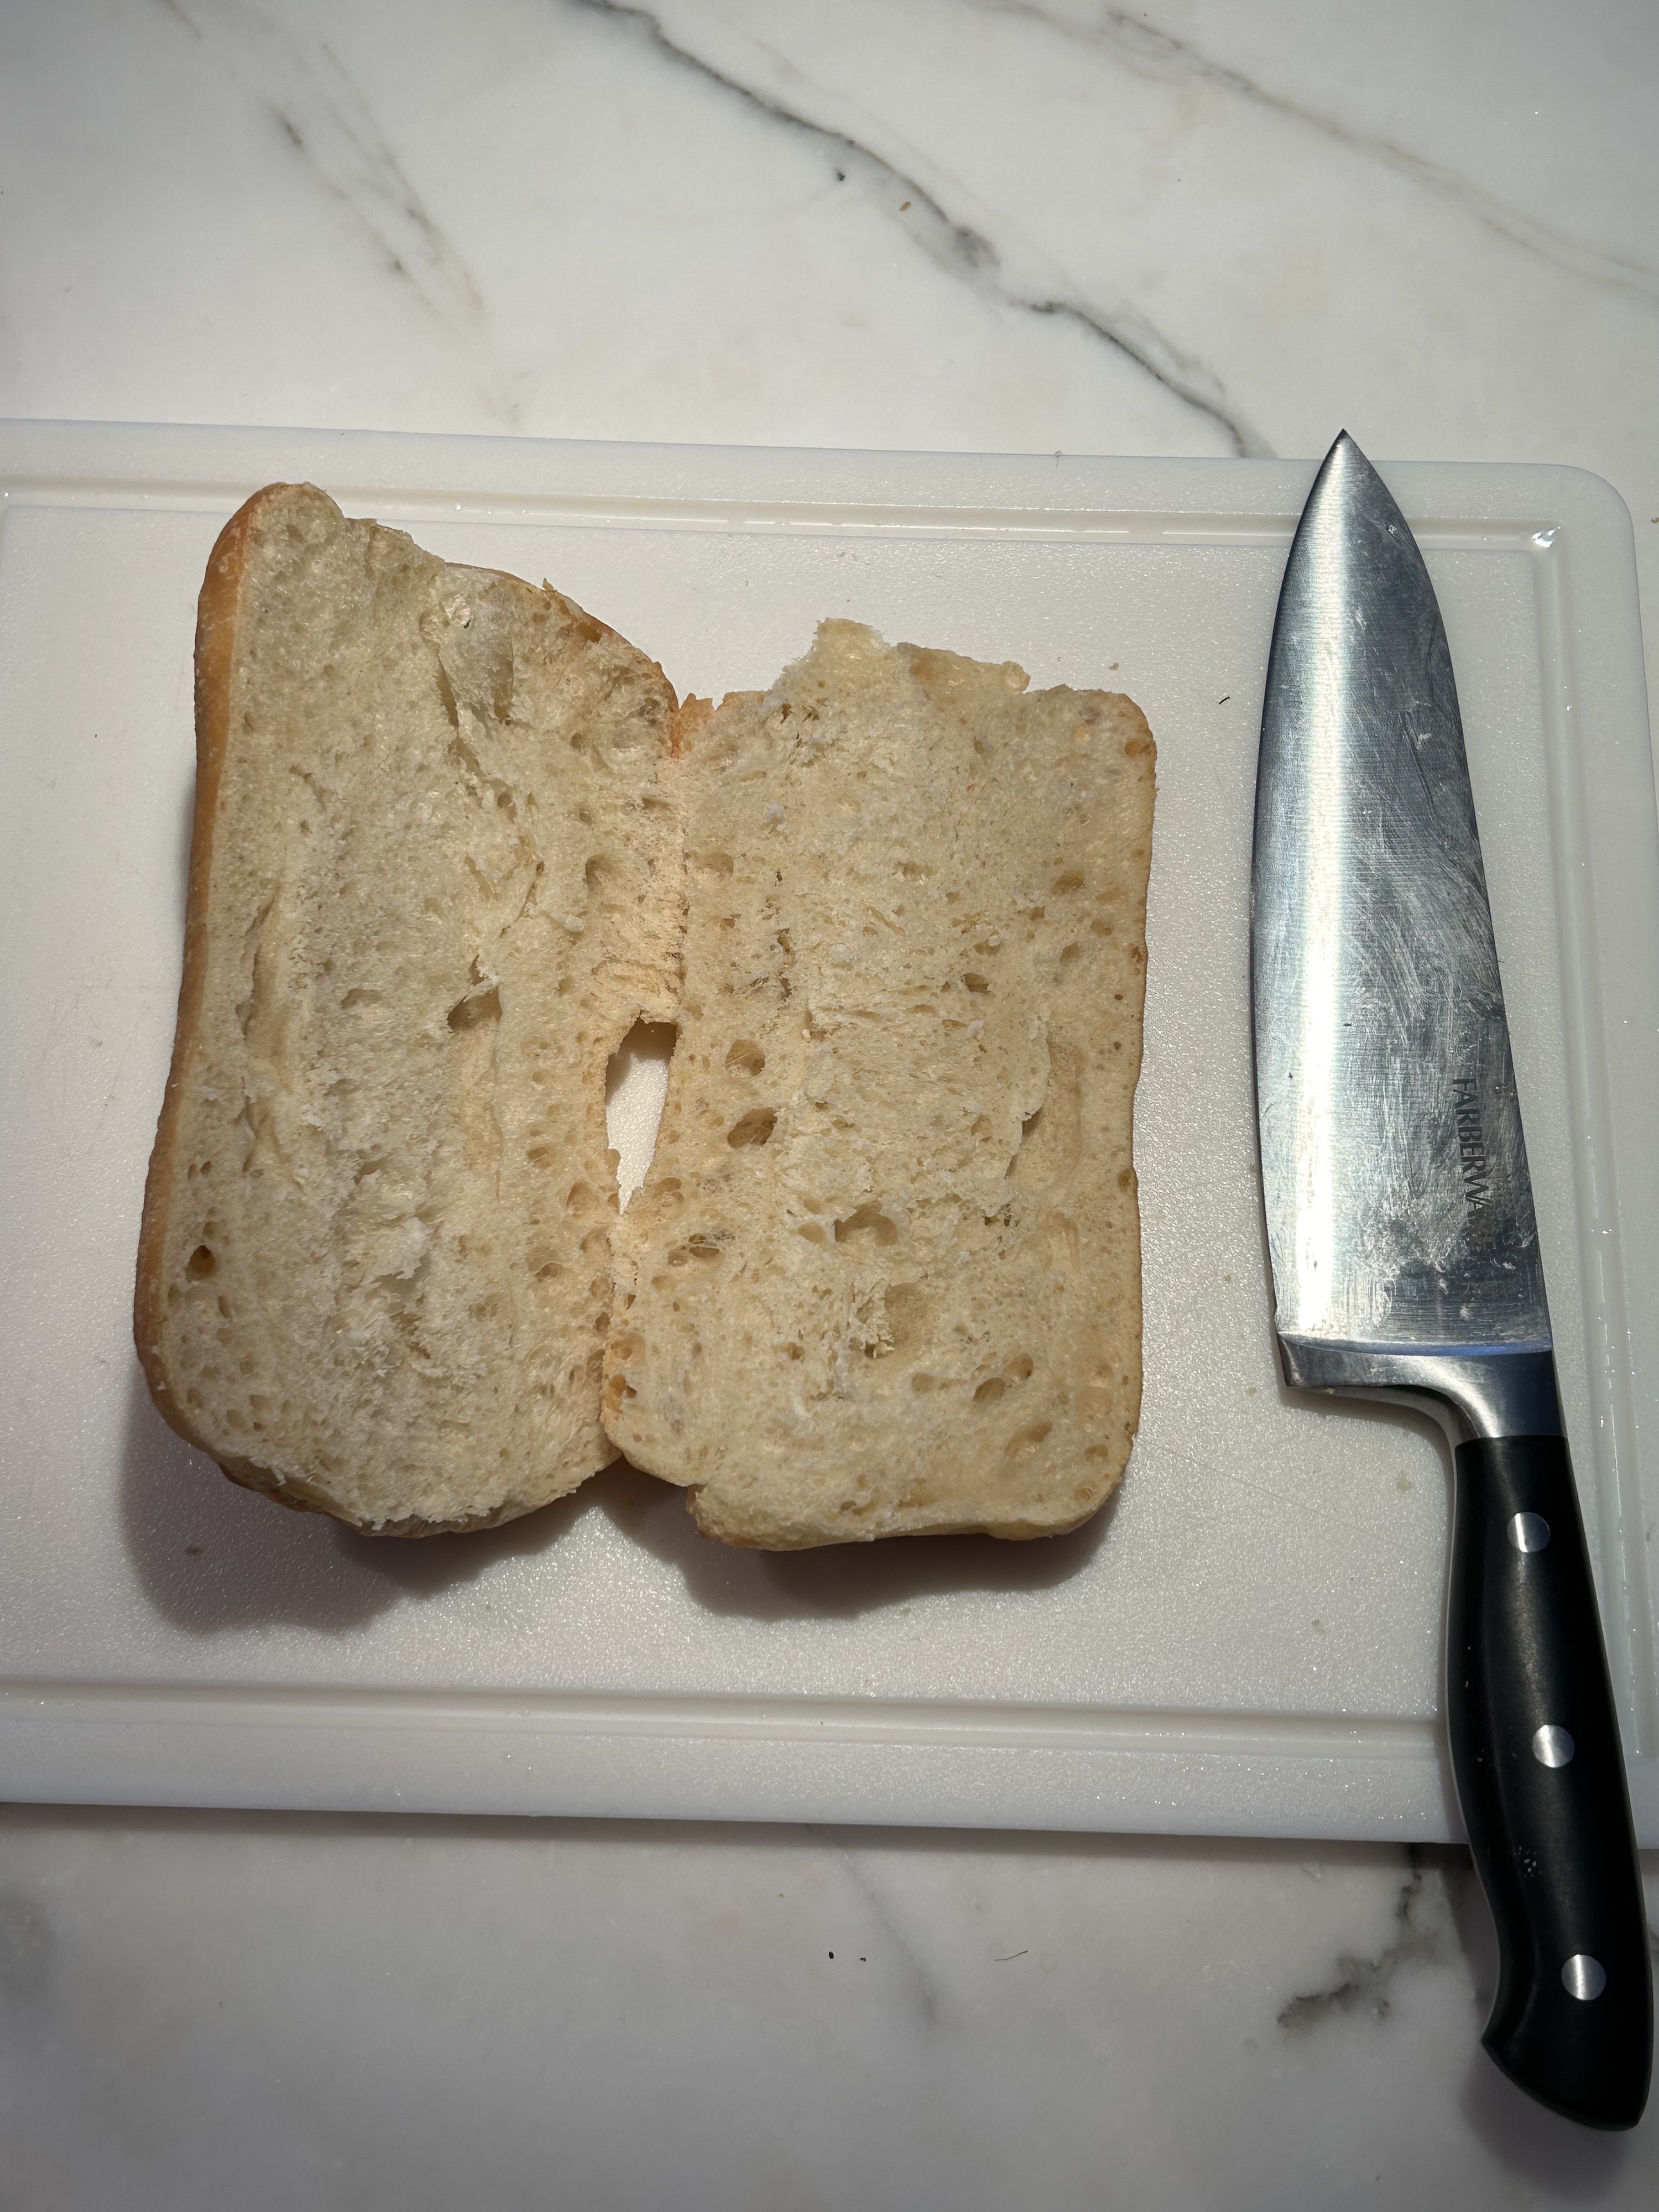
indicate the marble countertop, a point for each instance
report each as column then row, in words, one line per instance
column 973, row 225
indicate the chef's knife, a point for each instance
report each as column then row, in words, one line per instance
column 1406, row 1262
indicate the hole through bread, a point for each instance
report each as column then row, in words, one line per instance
column 200, row 1264
column 635, row 1084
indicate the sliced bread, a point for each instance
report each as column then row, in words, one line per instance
column 434, row 878
column 883, row 1277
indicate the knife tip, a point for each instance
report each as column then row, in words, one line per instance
column 1344, row 464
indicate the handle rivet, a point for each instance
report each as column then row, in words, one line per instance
column 1529, row 1532
column 1583, row 1977
column 1552, row 1746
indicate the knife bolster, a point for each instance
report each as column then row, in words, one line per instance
column 1473, row 1391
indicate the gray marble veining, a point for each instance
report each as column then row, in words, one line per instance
column 956, row 245
column 1137, row 44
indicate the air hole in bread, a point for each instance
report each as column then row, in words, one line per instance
column 866, row 1225
column 363, row 998
column 700, row 1247
column 813, row 1232
column 600, row 868
column 1071, row 881
column 1051, row 1141
column 1024, row 1441
column 975, row 983
column 989, row 1391
column 713, row 864
column 201, row 1263
column 446, row 694
column 754, row 1127
column 476, row 1008
column 745, row 1057
column 1019, row 1369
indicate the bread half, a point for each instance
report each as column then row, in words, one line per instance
column 884, row 1276
column 434, row 878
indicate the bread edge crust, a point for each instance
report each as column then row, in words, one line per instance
column 216, row 610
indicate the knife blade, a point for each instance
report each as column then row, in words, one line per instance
column 1406, row 1262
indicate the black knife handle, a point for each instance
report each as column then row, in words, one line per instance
column 1541, row 1778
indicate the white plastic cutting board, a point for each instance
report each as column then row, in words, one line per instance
column 1248, row 1639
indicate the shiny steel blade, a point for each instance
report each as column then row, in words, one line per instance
column 1399, row 1208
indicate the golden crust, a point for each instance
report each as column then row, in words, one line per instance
column 216, row 609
